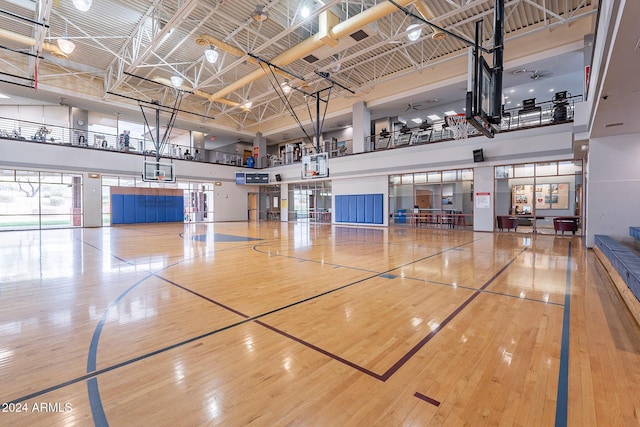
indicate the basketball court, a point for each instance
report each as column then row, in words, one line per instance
column 269, row 323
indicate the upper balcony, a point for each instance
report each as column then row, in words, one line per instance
column 529, row 115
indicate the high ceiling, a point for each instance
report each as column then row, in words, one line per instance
column 127, row 51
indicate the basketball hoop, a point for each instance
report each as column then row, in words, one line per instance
column 458, row 125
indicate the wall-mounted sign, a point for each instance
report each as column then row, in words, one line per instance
column 483, row 200
column 257, row 178
column 240, row 178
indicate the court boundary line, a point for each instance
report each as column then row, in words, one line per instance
column 562, row 395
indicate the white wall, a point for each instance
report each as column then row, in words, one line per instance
column 230, row 202
column 613, row 202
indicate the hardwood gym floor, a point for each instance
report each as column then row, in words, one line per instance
column 275, row 324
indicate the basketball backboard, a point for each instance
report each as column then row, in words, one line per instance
column 315, row 166
column 484, row 93
column 481, row 109
column 153, row 171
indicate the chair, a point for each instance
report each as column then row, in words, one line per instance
column 565, row 224
column 505, row 221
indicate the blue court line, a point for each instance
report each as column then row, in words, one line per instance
column 562, row 398
column 99, row 417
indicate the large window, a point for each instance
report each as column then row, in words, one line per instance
column 311, row 201
column 535, row 194
column 34, row 199
column 438, row 198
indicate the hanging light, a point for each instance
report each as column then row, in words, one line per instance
column 247, row 104
column 82, row 5
column 286, row 87
column 211, row 54
column 66, row 45
column 336, row 65
column 259, row 14
column 415, row 30
column 176, row 80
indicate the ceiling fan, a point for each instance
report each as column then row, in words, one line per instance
column 535, row 74
column 412, row 106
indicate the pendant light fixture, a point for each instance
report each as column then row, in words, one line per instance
column 66, row 45
column 414, row 30
column 286, row 87
column 176, row 80
column 259, row 15
column 211, row 54
column 82, row 5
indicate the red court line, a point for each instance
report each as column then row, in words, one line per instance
column 426, row 398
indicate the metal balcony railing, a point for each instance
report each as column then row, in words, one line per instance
column 531, row 115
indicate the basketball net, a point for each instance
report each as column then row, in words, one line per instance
column 458, row 125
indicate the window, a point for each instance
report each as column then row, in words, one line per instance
column 552, row 191
column 33, row 199
column 444, row 197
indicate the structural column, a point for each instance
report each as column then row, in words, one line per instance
column 260, row 151
column 361, row 126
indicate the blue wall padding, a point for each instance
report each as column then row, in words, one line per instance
column 141, row 209
column 340, row 209
column 175, row 211
column 117, row 208
column 359, row 208
column 161, row 209
column 131, row 208
column 378, row 209
column 353, row 208
column 368, row 210
column 151, row 208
